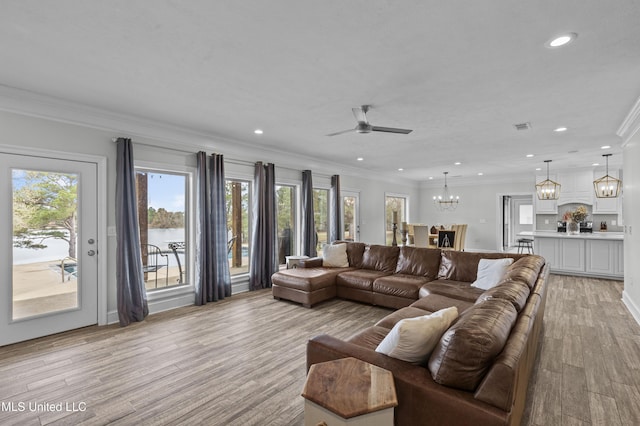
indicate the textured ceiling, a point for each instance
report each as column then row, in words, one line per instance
column 459, row 73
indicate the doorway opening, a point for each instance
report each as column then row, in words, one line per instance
column 517, row 219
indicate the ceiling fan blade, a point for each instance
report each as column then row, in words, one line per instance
column 361, row 114
column 390, row 130
column 341, row 133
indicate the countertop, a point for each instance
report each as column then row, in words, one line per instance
column 583, row 235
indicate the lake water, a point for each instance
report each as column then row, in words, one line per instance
column 59, row 249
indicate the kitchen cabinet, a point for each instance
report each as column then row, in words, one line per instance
column 577, row 187
column 596, row 255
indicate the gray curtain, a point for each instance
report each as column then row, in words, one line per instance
column 213, row 280
column 131, row 293
column 309, row 238
column 264, row 241
column 335, row 221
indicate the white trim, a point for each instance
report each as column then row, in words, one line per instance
column 631, row 124
column 101, row 209
column 633, row 309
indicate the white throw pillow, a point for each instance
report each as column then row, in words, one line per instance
column 335, row 256
column 490, row 272
column 413, row 339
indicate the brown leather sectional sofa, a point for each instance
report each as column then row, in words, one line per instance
column 479, row 371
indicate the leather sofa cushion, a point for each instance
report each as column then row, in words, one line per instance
column 435, row 302
column 370, row 337
column 355, row 250
column 465, row 351
column 361, row 279
column 307, row 279
column 380, row 258
column 453, row 289
column 409, row 312
column 399, row 285
column 419, row 261
column 463, row 265
column 526, row 270
column 516, row 292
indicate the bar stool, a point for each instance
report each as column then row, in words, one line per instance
column 525, row 243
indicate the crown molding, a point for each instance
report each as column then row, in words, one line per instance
column 631, row 124
column 32, row 104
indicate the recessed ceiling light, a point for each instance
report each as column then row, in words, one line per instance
column 561, row 40
column 560, row 129
column 430, row 177
column 605, row 147
column 400, row 169
column 457, row 163
column 480, row 173
column 258, row 131
column 538, row 169
column 360, row 159
column 529, row 155
column 595, row 164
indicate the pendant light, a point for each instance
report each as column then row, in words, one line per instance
column 548, row 189
column 446, row 201
column 607, row 186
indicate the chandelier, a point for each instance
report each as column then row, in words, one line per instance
column 446, row 201
column 548, row 189
column 607, row 186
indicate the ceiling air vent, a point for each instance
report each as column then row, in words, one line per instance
column 522, row 126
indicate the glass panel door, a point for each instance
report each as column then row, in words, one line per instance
column 48, row 235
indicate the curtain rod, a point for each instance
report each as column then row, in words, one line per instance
column 230, row 160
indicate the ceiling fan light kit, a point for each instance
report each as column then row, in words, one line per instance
column 548, row 189
column 446, row 201
column 364, row 126
column 607, row 186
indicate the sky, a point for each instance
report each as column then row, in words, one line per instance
column 166, row 191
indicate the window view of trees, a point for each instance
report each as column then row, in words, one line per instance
column 349, row 218
column 44, row 207
column 237, row 203
column 321, row 216
column 286, row 218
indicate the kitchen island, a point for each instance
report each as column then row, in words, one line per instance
column 597, row 254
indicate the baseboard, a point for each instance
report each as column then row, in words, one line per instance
column 160, row 305
column 633, row 309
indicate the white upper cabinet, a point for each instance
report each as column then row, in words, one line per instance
column 577, row 187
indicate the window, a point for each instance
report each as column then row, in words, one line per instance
column 321, row 217
column 526, row 214
column 395, row 206
column 286, row 218
column 238, row 217
column 350, row 217
column 163, row 197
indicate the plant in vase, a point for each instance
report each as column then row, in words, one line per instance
column 574, row 219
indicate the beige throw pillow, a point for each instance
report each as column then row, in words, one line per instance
column 335, row 256
column 490, row 272
column 413, row 339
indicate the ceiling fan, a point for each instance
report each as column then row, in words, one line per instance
column 364, row 126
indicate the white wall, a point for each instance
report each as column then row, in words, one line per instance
column 479, row 208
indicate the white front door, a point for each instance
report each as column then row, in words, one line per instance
column 48, row 246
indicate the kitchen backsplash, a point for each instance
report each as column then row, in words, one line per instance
column 549, row 222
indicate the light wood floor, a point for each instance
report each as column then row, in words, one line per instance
column 242, row 362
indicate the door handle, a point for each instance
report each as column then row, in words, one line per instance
column 91, row 252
